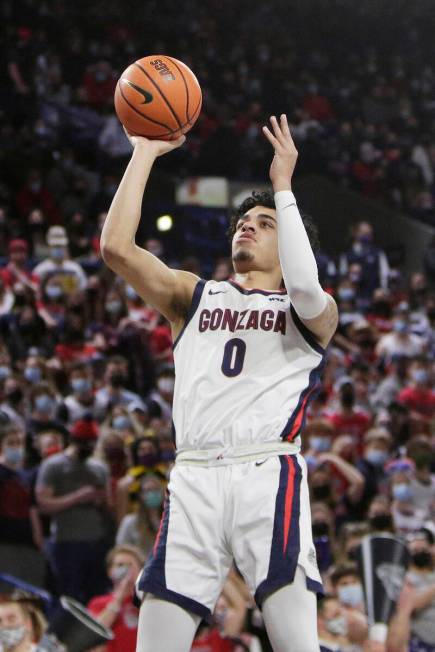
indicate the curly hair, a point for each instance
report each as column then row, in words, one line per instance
column 266, row 199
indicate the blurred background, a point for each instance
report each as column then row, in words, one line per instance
column 86, row 368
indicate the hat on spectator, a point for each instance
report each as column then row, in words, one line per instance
column 85, row 429
column 57, row 237
column 18, row 245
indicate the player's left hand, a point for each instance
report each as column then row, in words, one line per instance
column 286, row 154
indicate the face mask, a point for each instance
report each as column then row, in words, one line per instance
column 166, row 385
column 402, row 491
column 355, row 277
column 351, row 594
column 80, row 385
column 10, row 637
column 5, row 372
column 148, row 459
column 44, row 403
column 420, row 376
column 15, row 395
column 130, row 292
column 114, row 454
column 121, row 423
column 118, row 573
column 320, row 444
column 113, row 307
column 152, row 498
column 57, row 253
column 53, row 292
column 381, row 522
column 117, row 380
column 84, row 451
column 52, row 450
column 376, row 457
column 352, row 553
column 321, row 492
column 400, row 326
column 32, row 374
column 320, row 529
column 13, row 455
column 422, row 559
column 365, row 239
column 347, row 398
column 337, row 626
column 346, row 294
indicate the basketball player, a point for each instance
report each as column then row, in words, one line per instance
column 248, row 358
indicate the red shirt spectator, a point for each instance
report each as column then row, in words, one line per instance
column 212, row 641
column 125, row 626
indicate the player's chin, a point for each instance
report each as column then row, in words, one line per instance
column 242, row 256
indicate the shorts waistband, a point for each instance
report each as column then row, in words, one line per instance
column 235, row 454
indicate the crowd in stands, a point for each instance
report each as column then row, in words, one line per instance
column 361, row 107
column 86, row 368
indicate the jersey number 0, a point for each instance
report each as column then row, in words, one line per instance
column 234, row 357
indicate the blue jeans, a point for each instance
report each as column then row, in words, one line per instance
column 79, row 568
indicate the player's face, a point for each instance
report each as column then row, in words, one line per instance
column 255, row 242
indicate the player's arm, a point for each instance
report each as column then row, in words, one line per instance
column 316, row 309
column 169, row 291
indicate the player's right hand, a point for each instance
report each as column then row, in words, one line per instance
column 157, row 147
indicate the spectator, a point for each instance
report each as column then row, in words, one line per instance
column 140, row 529
column 20, row 532
column 401, row 342
column 17, row 268
column 114, row 392
column 115, row 609
column 69, row 273
column 373, row 261
column 332, row 625
column 347, row 587
column 346, row 419
column 406, row 516
column 73, row 488
column 22, row 625
column 418, row 394
column 81, row 402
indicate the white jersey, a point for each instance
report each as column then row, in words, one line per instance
column 246, row 368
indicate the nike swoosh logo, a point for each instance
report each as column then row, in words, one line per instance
column 218, row 292
column 147, row 96
column 260, row 463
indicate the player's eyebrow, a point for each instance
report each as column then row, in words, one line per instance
column 262, row 215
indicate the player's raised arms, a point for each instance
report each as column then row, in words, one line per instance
column 169, row 291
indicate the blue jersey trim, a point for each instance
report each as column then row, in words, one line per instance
column 243, row 290
column 306, row 333
column 196, row 298
column 176, row 598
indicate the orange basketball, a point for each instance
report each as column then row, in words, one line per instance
column 158, row 97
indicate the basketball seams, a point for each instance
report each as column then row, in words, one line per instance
column 156, row 122
column 185, row 85
column 165, row 99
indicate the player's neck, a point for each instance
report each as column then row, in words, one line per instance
column 258, row 280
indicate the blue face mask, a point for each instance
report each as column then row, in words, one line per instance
column 402, row 491
column 58, row 253
column 365, row 239
column 32, row 374
column 13, row 455
column 113, row 307
column 346, row 294
column 400, row 326
column 44, row 403
column 320, row 444
column 53, row 292
column 80, row 385
column 351, row 595
column 420, row 376
column 130, row 292
column 5, row 372
column 152, row 498
column 376, row 457
column 167, row 456
column 121, row 423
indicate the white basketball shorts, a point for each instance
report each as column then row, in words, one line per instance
column 255, row 512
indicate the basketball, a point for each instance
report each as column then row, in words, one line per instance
column 158, row 97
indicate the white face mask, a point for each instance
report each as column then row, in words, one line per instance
column 11, row 636
column 166, row 385
column 118, row 573
column 337, row 626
